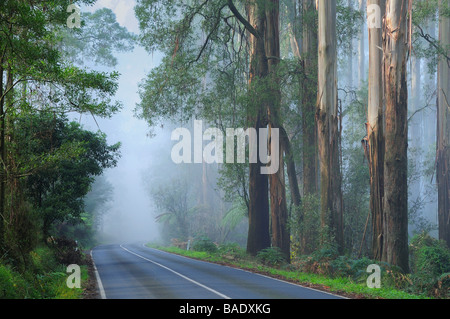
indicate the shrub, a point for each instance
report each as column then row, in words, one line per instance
column 67, row 251
column 305, row 226
column 430, row 261
column 231, row 251
column 271, row 256
column 7, row 289
column 204, row 244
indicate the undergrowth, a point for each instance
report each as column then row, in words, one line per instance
column 44, row 278
column 429, row 276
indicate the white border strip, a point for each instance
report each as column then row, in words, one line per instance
column 178, row 274
column 99, row 281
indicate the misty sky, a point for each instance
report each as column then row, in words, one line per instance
column 131, row 216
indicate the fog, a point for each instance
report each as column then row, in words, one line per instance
column 130, row 215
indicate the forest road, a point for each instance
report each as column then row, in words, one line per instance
column 134, row 271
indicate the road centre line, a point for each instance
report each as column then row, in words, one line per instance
column 178, row 274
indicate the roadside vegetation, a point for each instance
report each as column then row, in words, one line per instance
column 326, row 270
column 45, row 276
column 52, row 192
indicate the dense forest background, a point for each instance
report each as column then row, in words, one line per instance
column 211, row 60
column 358, row 90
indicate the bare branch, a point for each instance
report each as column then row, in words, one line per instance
column 244, row 21
column 433, row 43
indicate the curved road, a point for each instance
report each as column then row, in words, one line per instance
column 133, row 271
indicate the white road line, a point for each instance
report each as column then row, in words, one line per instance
column 251, row 272
column 99, row 281
column 178, row 274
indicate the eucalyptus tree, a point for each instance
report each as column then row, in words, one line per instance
column 395, row 200
column 328, row 125
column 239, row 55
column 443, row 124
column 375, row 136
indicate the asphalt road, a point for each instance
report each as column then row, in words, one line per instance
column 133, row 271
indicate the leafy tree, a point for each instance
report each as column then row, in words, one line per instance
column 97, row 40
column 174, row 204
column 57, row 190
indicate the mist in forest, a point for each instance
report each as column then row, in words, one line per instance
column 129, row 214
column 145, row 170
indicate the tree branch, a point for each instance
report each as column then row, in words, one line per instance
column 433, row 43
column 244, row 21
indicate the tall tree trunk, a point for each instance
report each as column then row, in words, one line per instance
column 395, row 204
column 443, row 131
column 308, row 104
column 2, row 157
column 278, row 207
column 375, row 136
column 430, row 118
column 361, row 47
column 309, row 88
column 349, row 65
column 328, row 125
column 258, row 215
column 415, row 125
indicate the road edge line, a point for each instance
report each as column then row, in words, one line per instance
column 99, row 281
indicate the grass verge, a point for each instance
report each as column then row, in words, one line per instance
column 343, row 286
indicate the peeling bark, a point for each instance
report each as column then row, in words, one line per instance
column 395, row 202
column 375, row 136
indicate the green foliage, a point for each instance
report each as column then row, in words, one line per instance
column 204, row 244
column 11, row 284
column 48, row 163
column 430, row 259
column 174, row 205
column 57, row 189
column 271, row 256
column 22, row 235
column 305, row 223
column 234, row 216
column 348, row 21
column 99, row 37
column 45, row 278
column 425, row 15
column 231, row 251
column 355, row 170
